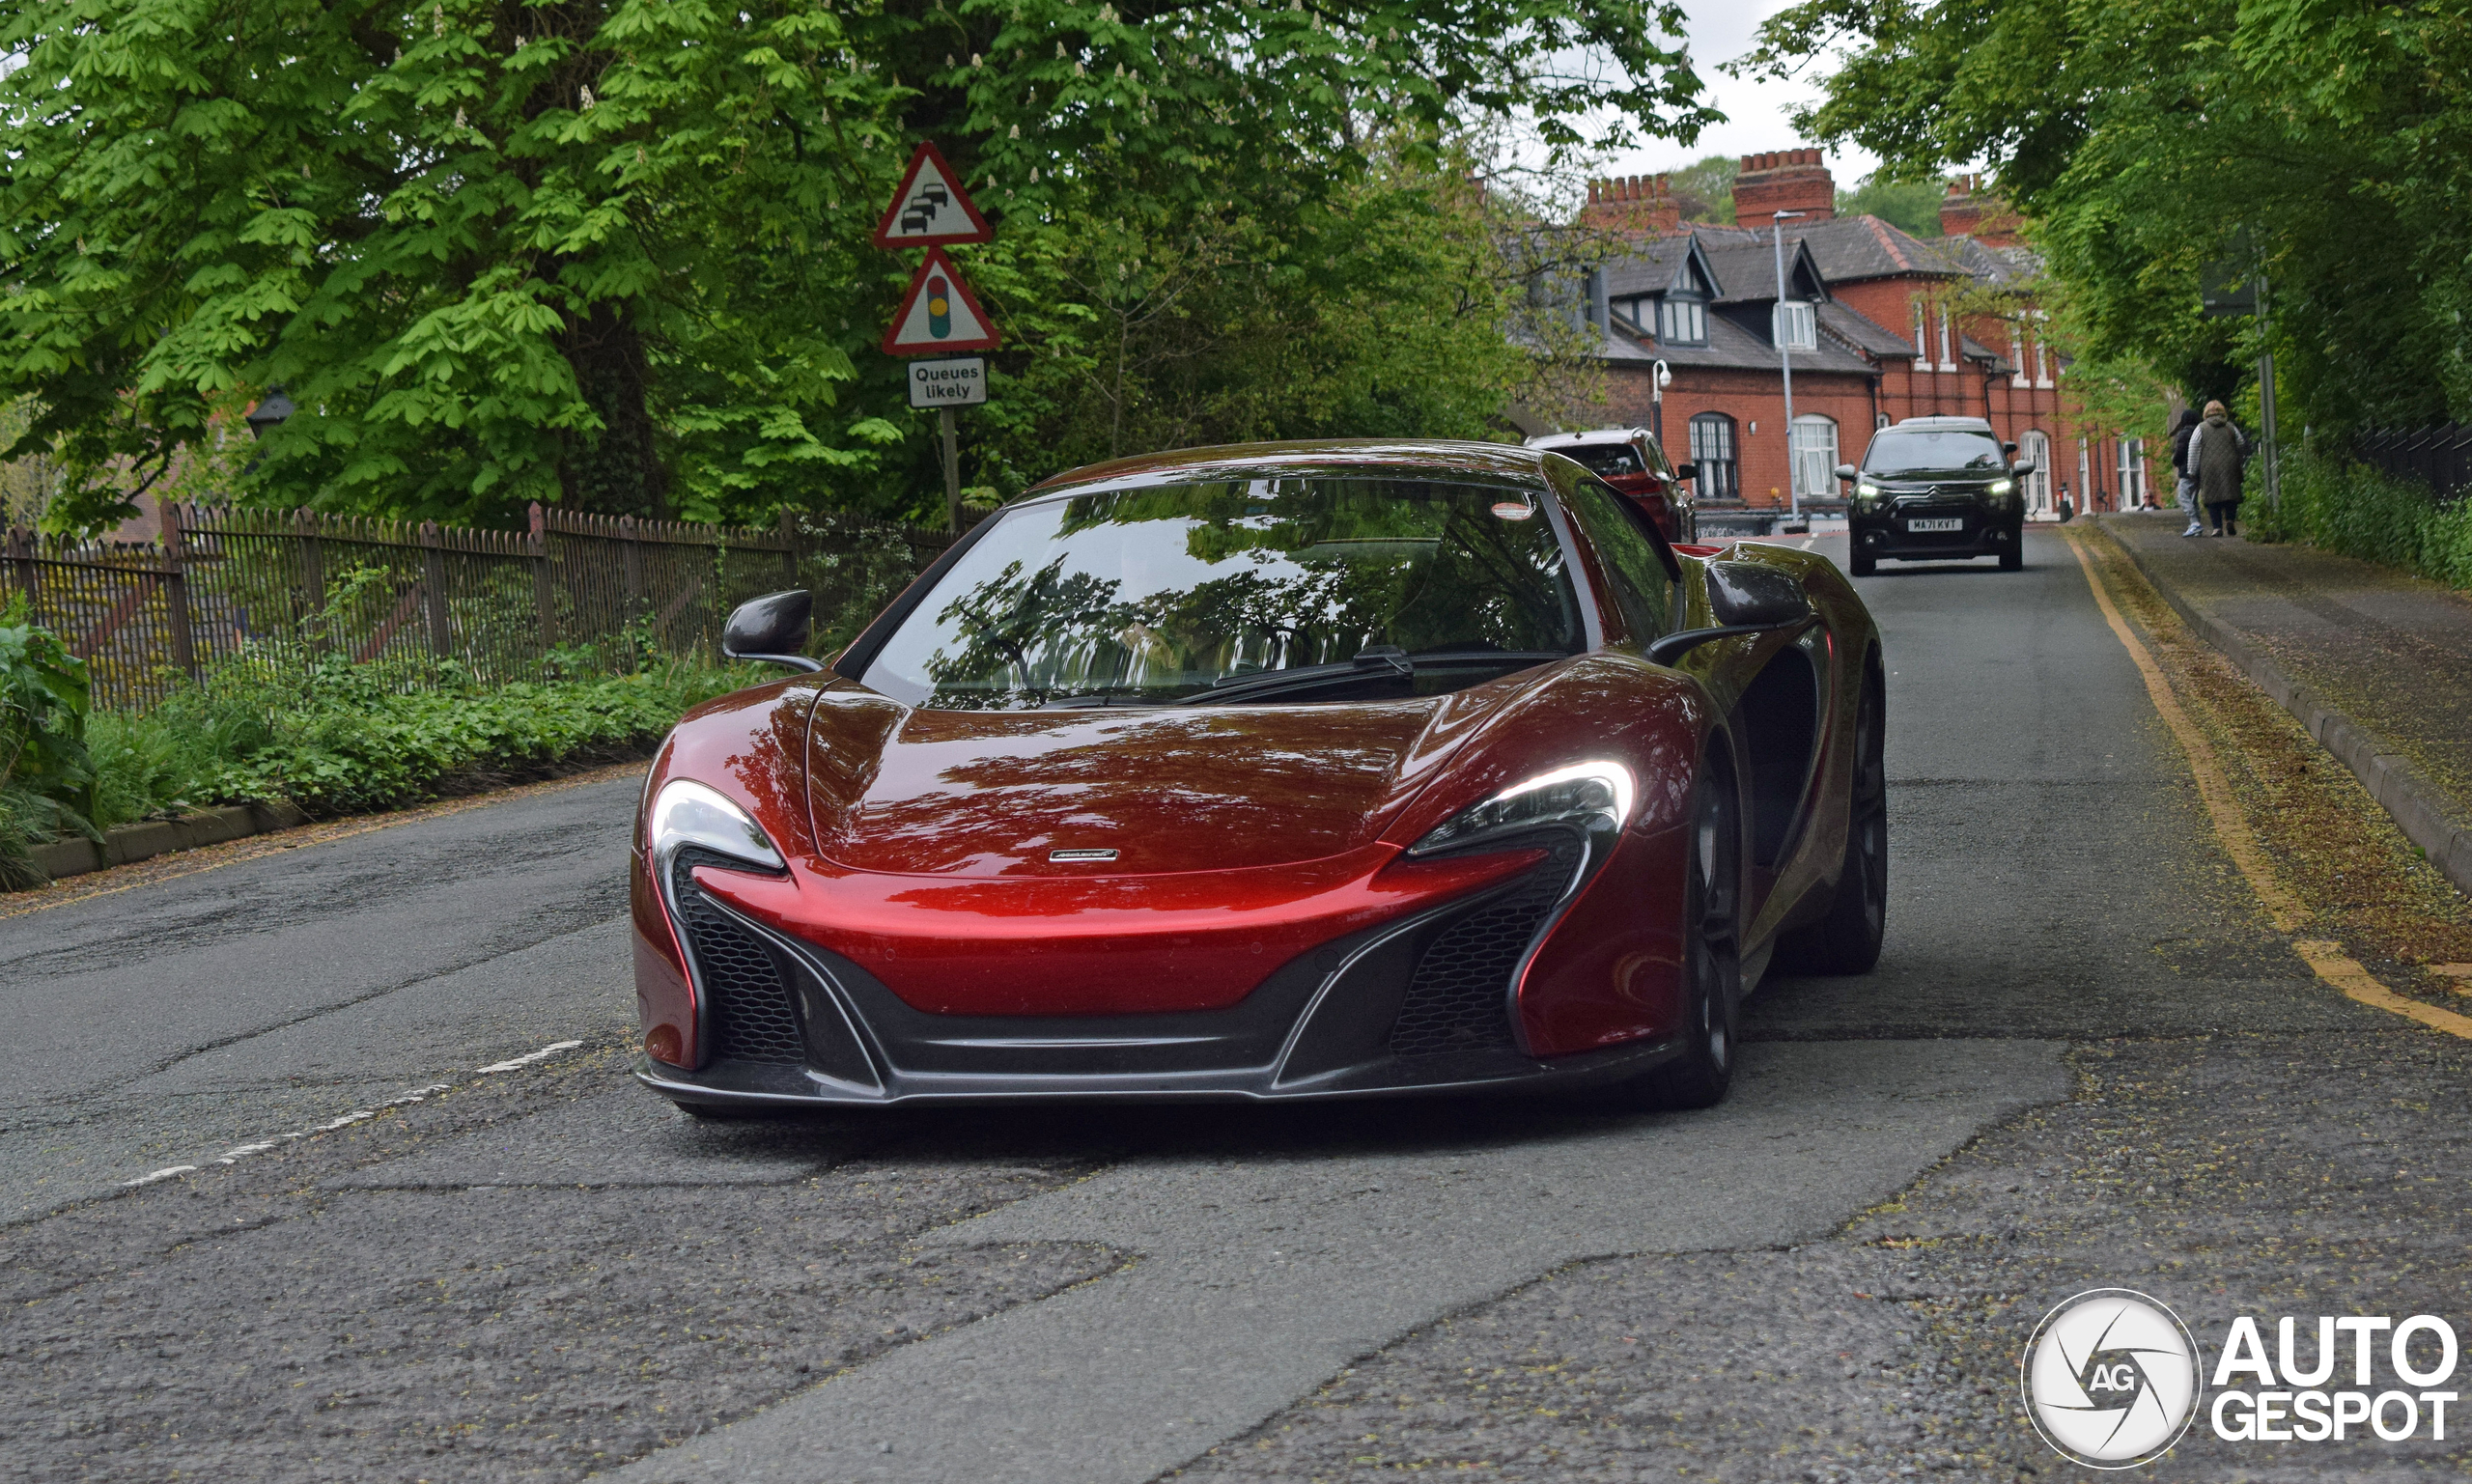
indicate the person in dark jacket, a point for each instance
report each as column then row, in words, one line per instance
column 2182, row 488
column 2218, row 456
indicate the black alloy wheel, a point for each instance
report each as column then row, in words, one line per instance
column 1847, row 940
column 1711, row 961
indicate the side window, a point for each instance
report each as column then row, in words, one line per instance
column 1643, row 584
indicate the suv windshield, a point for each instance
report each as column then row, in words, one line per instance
column 1902, row 451
column 1236, row 590
column 1606, row 460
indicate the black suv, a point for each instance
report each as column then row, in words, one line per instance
column 1936, row 490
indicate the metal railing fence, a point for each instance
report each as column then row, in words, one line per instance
column 226, row 586
column 2440, row 456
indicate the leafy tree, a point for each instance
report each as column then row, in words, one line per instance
column 1913, row 205
column 2151, row 142
column 614, row 252
column 1704, row 190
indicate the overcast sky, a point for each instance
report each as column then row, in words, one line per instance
column 1755, row 110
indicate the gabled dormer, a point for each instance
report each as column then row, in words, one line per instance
column 1666, row 291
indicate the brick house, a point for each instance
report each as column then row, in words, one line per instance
column 1881, row 328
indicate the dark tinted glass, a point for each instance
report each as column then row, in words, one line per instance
column 1642, row 585
column 1608, row 458
column 1158, row 594
column 1899, row 450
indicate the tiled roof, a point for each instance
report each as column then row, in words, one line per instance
column 1732, row 347
column 1862, row 332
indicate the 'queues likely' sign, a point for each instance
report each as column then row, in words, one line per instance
column 957, row 383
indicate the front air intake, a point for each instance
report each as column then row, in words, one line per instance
column 751, row 1016
column 1459, row 995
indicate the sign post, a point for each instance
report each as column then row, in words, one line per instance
column 939, row 315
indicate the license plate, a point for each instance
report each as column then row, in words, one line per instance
column 1942, row 523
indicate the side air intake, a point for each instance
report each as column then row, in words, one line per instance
column 1459, row 995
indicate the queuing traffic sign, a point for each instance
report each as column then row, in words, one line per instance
column 939, row 315
column 960, row 382
column 930, row 207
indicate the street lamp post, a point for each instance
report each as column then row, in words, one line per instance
column 1657, row 383
column 1785, row 358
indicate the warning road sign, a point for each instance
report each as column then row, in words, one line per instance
column 930, row 207
column 939, row 315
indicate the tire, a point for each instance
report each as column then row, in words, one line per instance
column 2012, row 557
column 1712, row 963
column 1864, row 563
column 1847, row 940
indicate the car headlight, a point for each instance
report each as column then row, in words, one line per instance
column 1999, row 486
column 1586, row 795
column 1866, row 491
column 686, row 813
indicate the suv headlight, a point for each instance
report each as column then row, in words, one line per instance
column 686, row 813
column 1589, row 797
column 2000, row 487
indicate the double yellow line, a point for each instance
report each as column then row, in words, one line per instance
column 2326, row 960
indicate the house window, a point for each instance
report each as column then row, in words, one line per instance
column 1712, row 448
column 2017, row 354
column 1921, row 333
column 2035, row 448
column 2042, row 363
column 1948, row 362
column 1815, row 457
column 1796, row 327
column 2132, row 472
column 1682, row 321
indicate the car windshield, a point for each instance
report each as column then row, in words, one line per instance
column 1899, row 451
column 1605, row 459
column 1235, row 589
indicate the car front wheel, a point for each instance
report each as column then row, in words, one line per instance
column 1711, row 962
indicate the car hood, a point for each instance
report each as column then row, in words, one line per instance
column 987, row 794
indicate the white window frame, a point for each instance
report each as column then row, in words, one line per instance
column 2131, row 468
column 1794, row 325
column 1720, row 429
column 1922, row 334
column 2043, row 362
column 2017, row 354
column 1813, row 445
column 2034, row 447
column 1672, row 311
column 1948, row 360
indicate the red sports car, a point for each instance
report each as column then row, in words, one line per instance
column 1281, row 771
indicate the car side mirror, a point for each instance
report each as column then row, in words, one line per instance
column 1685, row 471
column 1846, row 471
column 772, row 630
column 2008, row 448
column 2022, row 467
column 1743, row 598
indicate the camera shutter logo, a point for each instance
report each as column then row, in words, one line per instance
column 2111, row 1378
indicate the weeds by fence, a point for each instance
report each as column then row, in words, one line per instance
column 574, row 593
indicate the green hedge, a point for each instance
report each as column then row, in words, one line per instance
column 2341, row 506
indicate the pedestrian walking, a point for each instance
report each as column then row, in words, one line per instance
column 2184, row 488
column 2218, row 456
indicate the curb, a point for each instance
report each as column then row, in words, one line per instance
column 2389, row 778
column 123, row 843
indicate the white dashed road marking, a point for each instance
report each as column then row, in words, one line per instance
column 239, row 1152
column 513, row 1063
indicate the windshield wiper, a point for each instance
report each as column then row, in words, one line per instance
column 1381, row 662
column 1108, row 697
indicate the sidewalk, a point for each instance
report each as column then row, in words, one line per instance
column 2377, row 664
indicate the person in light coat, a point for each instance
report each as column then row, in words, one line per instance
column 2184, row 487
column 2218, row 458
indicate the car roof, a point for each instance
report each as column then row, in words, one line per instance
column 1591, row 435
column 1338, row 458
column 1952, row 424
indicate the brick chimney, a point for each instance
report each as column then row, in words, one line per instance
column 1633, row 205
column 1783, row 181
column 1972, row 209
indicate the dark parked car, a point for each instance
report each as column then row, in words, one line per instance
column 1936, row 490
column 1630, row 460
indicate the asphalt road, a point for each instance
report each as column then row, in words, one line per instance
column 2084, row 1059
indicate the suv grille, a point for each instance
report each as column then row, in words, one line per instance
column 751, row 1019
column 1458, row 999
